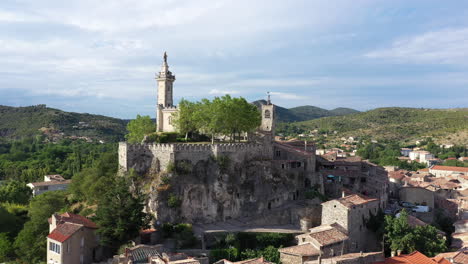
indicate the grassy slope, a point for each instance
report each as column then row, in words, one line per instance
column 16, row 122
column 303, row 113
column 396, row 123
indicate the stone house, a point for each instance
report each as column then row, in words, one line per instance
column 299, row 254
column 71, row 240
column 260, row 260
column 354, row 174
column 155, row 254
column 442, row 171
column 330, row 240
column 417, row 195
column 50, row 183
column 351, row 212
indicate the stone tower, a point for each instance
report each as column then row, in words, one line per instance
column 165, row 104
column 268, row 118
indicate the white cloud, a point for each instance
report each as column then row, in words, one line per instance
column 449, row 46
column 288, row 96
column 222, row 92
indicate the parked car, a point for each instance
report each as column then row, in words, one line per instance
column 420, row 209
column 407, row 204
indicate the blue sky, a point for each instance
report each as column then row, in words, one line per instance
column 101, row 56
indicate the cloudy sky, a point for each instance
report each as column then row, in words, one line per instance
column 102, row 56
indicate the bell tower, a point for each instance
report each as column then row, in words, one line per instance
column 165, row 80
column 268, row 117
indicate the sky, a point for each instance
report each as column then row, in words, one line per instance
column 102, row 56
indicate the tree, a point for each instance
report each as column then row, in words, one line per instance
column 15, row 192
column 138, row 128
column 120, row 215
column 30, row 244
column 399, row 235
column 6, row 248
column 184, row 119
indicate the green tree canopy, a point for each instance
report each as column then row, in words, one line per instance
column 399, row 235
column 15, row 192
column 30, row 244
column 138, row 128
column 222, row 115
column 120, row 215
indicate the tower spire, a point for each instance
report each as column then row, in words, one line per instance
column 268, row 100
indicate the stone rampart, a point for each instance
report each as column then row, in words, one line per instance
column 157, row 156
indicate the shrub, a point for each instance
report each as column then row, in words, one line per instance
column 173, row 201
column 165, row 180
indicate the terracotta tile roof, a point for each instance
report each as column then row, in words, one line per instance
column 64, row 231
column 450, row 168
column 440, row 260
column 413, row 258
column 294, row 149
column 328, row 234
column 397, row 175
column 76, row 219
column 355, row 199
column 461, row 257
column 301, row 250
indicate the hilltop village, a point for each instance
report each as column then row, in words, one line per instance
column 258, row 197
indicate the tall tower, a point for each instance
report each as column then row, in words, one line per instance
column 165, row 81
column 268, row 118
column 165, row 106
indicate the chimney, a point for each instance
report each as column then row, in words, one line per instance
column 392, row 254
column 399, row 252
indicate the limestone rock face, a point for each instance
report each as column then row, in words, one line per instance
column 209, row 191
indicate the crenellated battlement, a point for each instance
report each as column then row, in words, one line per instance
column 131, row 154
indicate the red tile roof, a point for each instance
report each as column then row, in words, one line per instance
column 301, row 250
column 77, row 219
column 64, row 231
column 413, row 258
column 450, row 168
column 355, row 199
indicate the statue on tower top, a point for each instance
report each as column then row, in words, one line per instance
column 268, row 100
column 165, row 57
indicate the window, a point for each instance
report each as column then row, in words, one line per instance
column 267, row 114
column 169, row 120
column 54, row 247
column 303, row 239
column 278, row 153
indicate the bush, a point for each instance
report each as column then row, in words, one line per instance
column 173, row 201
column 231, row 254
column 165, row 180
column 223, row 162
column 182, row 232
column 161, row 137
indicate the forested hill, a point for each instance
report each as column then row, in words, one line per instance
column 393, row 123
column 307, row 112
column 18, row 122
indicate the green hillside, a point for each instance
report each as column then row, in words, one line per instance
column 18, row 122
column 303, row 113
column 393, row 123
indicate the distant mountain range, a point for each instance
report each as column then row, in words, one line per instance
column 18, row 122
column 307, row 112
column 393, row 123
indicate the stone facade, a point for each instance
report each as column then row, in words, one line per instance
column 351, row 212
